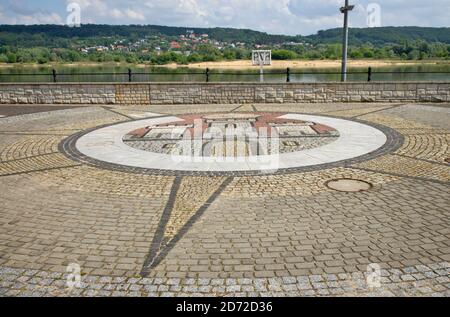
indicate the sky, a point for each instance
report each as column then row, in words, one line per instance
column 289, row 17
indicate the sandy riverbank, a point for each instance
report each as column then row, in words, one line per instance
column 246, row 64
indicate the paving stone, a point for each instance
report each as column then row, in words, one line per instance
column 283, row 233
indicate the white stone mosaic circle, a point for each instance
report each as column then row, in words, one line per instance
column 107, row 144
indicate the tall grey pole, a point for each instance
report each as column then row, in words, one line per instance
column 345, row 11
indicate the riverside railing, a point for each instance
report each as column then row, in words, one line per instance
column 132, row 76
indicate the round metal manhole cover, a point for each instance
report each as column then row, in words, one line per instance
column 349, row 185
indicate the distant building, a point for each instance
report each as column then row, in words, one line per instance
column 101, row 48
column 175, row 45
column 122, row 48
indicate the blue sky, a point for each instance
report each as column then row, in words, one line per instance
column 272, row 16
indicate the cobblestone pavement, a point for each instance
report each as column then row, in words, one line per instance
column 283, row 234
column 14, row 110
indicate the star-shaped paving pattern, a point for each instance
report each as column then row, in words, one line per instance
column 189, row 198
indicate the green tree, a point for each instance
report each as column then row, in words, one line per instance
column 413, row 55
column 195, row 58
column 131, row 59
column 3, row 58
column 283, row 55
column 333, row 51
column 210, row 53
column 12, row 58
column 229, row 54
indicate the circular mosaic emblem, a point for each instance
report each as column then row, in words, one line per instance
column 231, row 135
column 228, row 143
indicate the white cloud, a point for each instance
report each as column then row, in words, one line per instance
column 36, row 18
column 273, row 16
column 134, row 15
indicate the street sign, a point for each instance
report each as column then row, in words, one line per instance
column 262, row 57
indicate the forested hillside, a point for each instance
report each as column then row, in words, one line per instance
column 384, row 35
column 163, row 44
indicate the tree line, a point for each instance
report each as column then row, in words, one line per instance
column 61, row 36
column 416, row 50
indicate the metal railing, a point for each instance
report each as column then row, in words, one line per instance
column 207, row 74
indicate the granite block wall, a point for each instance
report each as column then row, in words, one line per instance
column 223, row 93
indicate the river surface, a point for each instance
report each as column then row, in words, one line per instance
column 108, row 73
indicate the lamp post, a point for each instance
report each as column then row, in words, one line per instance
column 345, row 10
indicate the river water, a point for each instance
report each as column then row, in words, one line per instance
column 108, row 73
